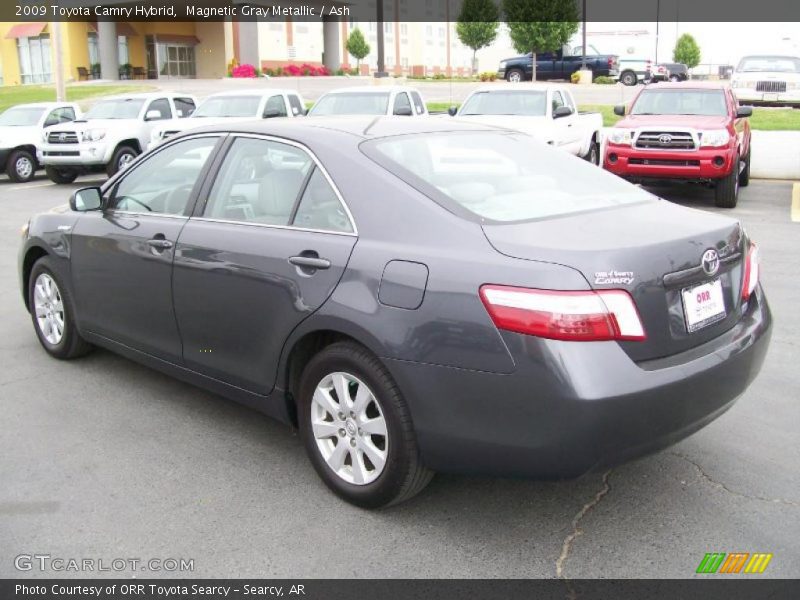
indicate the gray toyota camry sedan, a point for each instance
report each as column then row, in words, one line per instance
column 412, row 296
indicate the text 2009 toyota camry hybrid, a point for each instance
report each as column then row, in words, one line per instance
column 414, row 297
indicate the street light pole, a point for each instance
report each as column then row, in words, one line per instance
column 658, row 10
column 583, row 58
column 381, row 72
column 58, row 67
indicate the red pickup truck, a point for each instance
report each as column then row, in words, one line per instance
column 685, row 131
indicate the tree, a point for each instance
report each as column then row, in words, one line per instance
column 477, row 26
column 540, row 25
column 686, row 51
column 357, row 46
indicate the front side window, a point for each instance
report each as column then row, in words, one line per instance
column 163, row 184
column 680, row 102
column 64, row 114
column 525, row 103
column 260, row 181
column 499, row 176
column 120, row 108
column 275, row 107
column 402, row 105
column 558, row 101
column 162, row 107
column 352, row 103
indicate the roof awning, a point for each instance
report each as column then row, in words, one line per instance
column 123, row 29
column 169, row 38
column 25, row 30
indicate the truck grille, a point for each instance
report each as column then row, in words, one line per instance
column 770, row 86
column 62, row 137
column 665, row 140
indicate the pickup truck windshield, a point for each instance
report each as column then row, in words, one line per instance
column 499, row 176
column 121, row 108
column 778, row 64
column 22, row 116
column 351, row 103
column 680, row 102
column 228, row 106
column 527, row 103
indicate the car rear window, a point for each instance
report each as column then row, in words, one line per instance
column 500, row 177
column 528, row 103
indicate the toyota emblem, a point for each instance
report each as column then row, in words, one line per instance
column 710, row 262
column 62, row 137
column 664, row 139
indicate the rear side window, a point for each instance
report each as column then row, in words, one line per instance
column 320, row 207
column 500, row 177
column 297, row 106
column 419, row 107
column 184, row 107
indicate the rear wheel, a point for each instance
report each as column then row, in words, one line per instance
column 674, row 78
column 744, row 176
column 123, row 156
column 357, row 428
column 515, row 76
column 628, row 78
column 21, row 166
column 53, row 313
column 593, row 155
column 726, row 192
column 57, row 175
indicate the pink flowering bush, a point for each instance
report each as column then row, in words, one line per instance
column 244, row 71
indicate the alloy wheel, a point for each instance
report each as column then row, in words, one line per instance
column 49, row 307
column 23, row 167
column 125, row 160
column 349, row 428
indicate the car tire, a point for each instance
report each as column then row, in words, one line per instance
column 726, row 192
column 21, row 166
column 593, row 155
column 53, row 313
column 744, row 176
column 373, row 400
column 674, row 78
column 515, row 76
column 62, row 176
column 629, row 78
column 123, row 156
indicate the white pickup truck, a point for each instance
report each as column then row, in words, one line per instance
column 111, row 134
column 21, row 130
column 545, row 111
column 227, row 107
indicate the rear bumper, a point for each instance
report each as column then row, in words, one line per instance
column 570, row 408
column 707, row 163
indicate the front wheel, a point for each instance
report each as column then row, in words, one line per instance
column 123, row 156
column 674, row 78
column 515, row 76
column 21, row 166
column 726, row 192
column 357, row 430
column 62, row 176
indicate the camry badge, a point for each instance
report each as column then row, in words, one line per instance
column 613, row 277
column 710, row 262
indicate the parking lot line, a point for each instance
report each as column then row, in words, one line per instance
column 796, row 202
column 28, row 186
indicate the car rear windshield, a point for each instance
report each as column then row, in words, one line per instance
column 527, row 103
column 22, row 116
column 122, row 108
column 351, row 103
column 500, row 177
column 778, row 64
column 228, row 106
column 680, row 102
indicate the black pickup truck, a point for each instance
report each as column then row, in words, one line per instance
column 558, row 65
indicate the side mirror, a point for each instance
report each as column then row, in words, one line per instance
column 152, row 115
column 619, row 110
column 452, row 111
column 86, row 199
column 562, row 111
column 403, row 111
column 744, row 111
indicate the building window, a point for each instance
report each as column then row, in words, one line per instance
column 34, row 59
column 94, row 53
column 176, row 61
column 403, row 29
column 429, row 30
column 387, row 27
column 122, row 50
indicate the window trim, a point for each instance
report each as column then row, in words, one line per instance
column 215, row 167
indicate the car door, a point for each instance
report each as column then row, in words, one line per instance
column 164, row 109
column 263, row 252
column 565, row 126
column 121, row 256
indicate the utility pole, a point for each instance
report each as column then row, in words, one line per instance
column 658, row 11
column 381, row 72
column 58, row 71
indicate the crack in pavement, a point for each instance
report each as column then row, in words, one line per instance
column 576, row 530
column 725, row 488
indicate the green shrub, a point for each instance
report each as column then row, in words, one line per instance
column 575, row 77
column 488, row 76
column 603, row 80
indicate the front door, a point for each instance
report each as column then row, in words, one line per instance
column 122, row 256
column 264, row 252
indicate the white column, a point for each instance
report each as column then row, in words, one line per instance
column 108, row 49
column 331, row 43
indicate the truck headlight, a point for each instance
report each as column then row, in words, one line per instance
column 714, row 138
column 620, row 136
column 93, row 135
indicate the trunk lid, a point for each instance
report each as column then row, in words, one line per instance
column 653, row 250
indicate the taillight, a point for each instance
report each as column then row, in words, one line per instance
column 575, row 316
column 750, row 280
column 610, row 61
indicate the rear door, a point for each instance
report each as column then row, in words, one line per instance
column 265, row 248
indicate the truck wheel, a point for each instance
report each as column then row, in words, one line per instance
column 61, row 175
column 21, row 166
column 515, row 76
column 726, row 193
column 123, row 156
column 674, row 78
column 628, row 78
column 593, row 155
column 744, row 176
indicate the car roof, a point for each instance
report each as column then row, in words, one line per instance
column 519, row 87
column 375, row 89
column 258, row 92
column 688, row 85
column 43, row 105
column 771, row 56
column 143, row 96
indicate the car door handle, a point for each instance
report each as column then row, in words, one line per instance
column 310, row 262
column 160, row 244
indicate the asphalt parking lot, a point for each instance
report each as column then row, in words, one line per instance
column 102, row 458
